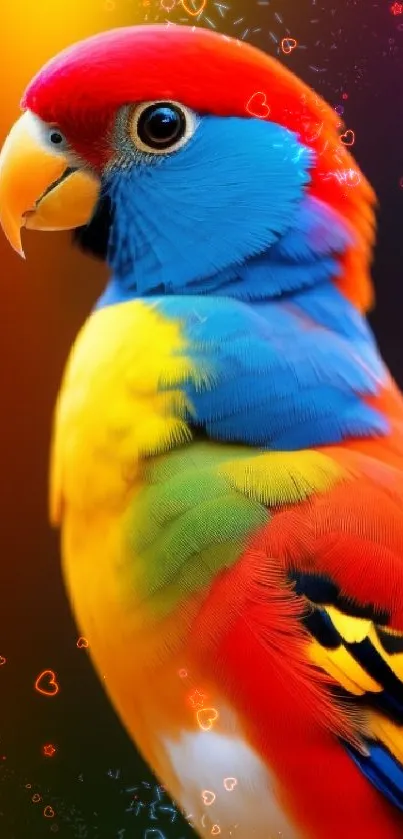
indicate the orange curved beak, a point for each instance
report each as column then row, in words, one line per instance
column 38, row 190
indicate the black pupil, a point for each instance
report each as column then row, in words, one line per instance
column 161, row 125
column 55, row 137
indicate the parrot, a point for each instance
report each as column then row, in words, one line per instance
column 226, row 466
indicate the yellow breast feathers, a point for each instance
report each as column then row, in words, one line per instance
column 113, row 407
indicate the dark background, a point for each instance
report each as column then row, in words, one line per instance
column 354, row 49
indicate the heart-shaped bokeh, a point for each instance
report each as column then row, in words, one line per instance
column 257, row 106
column 348, row 138
column 230, row 784
column 288, row 45
column 46, row 683
column 193, row 12
column 208, row 797
column 206, row 717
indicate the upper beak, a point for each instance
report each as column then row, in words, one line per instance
column 39, row 189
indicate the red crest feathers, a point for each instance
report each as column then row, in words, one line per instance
column 82, row 88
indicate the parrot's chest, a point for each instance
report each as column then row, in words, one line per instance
column 183, row 724
column 112, row 411
column 109, row 418
column 112, row 414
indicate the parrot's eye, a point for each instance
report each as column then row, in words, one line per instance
column 158, row 127
column 56, row 139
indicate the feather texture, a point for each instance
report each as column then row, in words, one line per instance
column 81, row 89
column 303, row 547
column 275, row 379
column 228, row 451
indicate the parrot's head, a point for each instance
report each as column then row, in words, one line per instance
column 178, row 155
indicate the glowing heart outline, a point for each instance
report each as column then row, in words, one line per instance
column 230, row 784
column 208, row 797
column 191, row 12
column 348, row 138
column 206, row 717
column 265, row 109
column 52, row 683
column 288, row 45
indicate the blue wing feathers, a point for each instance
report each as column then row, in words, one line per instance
column 383, row 770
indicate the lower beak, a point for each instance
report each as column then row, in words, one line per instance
column 39, row 189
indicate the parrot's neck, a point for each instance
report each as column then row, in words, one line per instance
column 308, row 371
column 291, row 283
column 306, row 255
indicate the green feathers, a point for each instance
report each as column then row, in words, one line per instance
column 199, row 506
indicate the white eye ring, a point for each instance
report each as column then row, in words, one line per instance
column 55, row 138
column 178, row 130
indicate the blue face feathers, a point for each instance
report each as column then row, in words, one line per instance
column 227, row 213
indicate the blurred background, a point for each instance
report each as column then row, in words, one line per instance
column 66, row 765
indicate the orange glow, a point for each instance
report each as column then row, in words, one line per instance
column 46, row 683
column 49, row 750
column 36, row 798
column 48, row 812
column 196, row 699
column 2, row 660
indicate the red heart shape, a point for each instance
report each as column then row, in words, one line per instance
column 348, row 138
column 82, row 642
column 46, row 683
column 257, row 105
column 2, row 660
